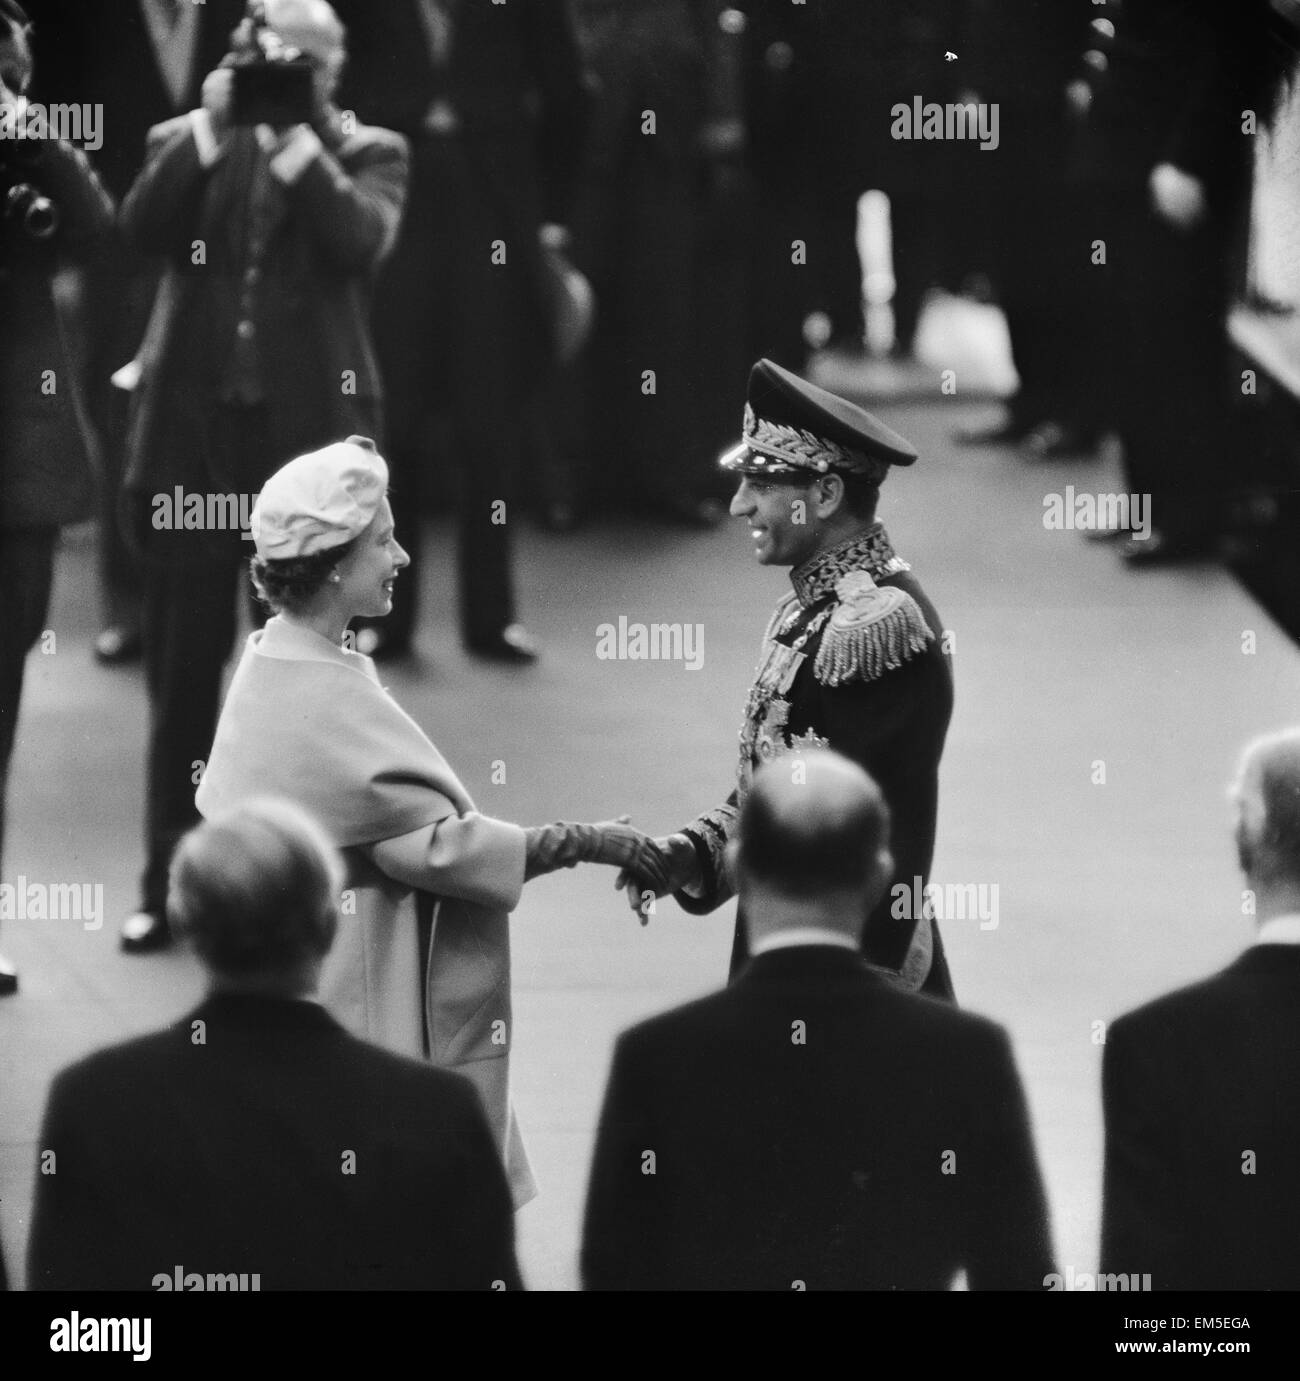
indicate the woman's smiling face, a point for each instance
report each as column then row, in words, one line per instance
column 367, row 573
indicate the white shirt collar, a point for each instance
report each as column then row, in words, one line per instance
column 1279, row 930
column 802, row 935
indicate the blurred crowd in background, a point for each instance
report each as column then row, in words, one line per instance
column 532, row 250
column 676, row 152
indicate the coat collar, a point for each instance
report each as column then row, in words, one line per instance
column 1268, row 958
column 869, row 551
column 279, row 638
column 808, row 962
column 256, row 1013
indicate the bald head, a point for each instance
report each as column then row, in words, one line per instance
column 256, row 890
column 814, row 835
column 310, row 26
column 1267, row 797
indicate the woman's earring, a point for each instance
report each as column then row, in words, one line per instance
column 335, row 577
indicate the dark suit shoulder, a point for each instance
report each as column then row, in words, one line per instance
column 143, row 1060
column 400, row 1075
column 914, row 1016
column 102, row 1068
column 1191, row 1004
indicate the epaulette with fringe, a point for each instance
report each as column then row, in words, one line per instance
column 873, row 629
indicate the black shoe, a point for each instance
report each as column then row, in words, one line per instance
column 1164, row 548
column 117, row 645
column 145, row 933
column 513, row 644
column 8, row 978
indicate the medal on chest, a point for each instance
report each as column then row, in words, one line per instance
column 764, row 734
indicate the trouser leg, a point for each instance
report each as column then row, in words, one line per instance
column 26, row 575
column 189, row 630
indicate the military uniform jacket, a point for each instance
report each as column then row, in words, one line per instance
column 852, row 660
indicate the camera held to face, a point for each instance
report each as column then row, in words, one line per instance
column 29, row 208
column 273, row 82
column 21, row 202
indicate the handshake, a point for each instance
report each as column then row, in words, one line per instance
column 648, row 868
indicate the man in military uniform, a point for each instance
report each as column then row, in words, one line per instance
column 852, row 658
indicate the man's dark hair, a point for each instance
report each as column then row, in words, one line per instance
column 861, row 496
column 810, row 851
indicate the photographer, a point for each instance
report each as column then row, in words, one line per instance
column 272, row 213
column 53, row 209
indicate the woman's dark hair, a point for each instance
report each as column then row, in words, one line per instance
column 292, row 583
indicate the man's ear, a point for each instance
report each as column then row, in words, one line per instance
column 829, row 494
column 881, row 877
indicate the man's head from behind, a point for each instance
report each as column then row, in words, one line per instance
column 256, row 890
column 1266, row 795
column 813, row 845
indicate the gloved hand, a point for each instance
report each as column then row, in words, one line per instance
column 615, row 842
column 680, row 865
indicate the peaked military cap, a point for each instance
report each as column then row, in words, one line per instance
column 794, row 428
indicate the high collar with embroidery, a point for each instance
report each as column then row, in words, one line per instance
column 869, row 551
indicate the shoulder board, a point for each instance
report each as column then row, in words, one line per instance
column 871, row 630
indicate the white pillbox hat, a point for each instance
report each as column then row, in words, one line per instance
column 320, row 500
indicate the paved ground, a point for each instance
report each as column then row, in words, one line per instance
column 1108, row 893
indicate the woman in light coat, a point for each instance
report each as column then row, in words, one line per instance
column 421, row 963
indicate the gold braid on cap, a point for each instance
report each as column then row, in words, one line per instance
column 804, row 450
